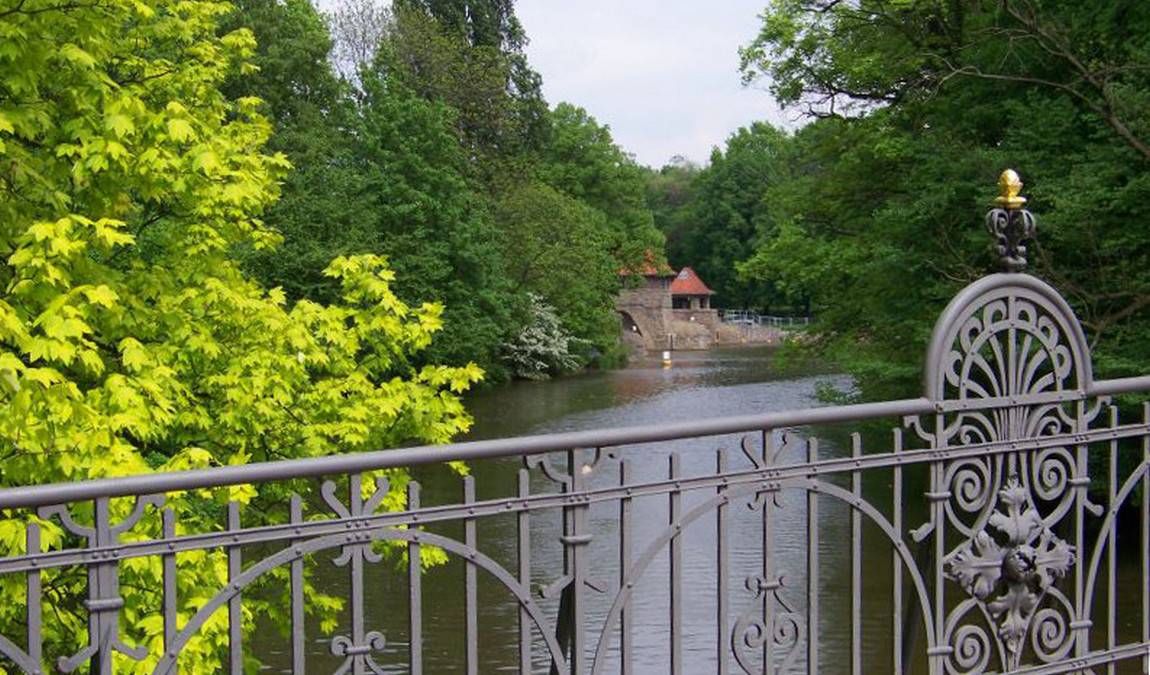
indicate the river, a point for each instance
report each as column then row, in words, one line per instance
column 700, row 385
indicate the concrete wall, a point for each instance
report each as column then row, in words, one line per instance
column 690, row 335
column 703, row 317
column 731, row 334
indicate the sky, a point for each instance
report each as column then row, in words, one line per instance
column 662, row 74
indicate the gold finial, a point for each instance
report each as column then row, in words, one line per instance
column 1009, row 185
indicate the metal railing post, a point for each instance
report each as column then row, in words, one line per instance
column 570, row 629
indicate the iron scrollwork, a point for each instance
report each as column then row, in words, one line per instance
column 356, row 649
column 1009, row 566
column 104, row 600
column 1008, row 363
column 786, row 632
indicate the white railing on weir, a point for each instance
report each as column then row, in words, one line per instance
column 747, row 318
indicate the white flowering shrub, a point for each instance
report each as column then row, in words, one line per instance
column 543, row 348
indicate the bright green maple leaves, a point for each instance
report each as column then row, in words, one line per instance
column 130, row 341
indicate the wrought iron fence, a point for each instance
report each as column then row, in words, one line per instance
column 1002, row 525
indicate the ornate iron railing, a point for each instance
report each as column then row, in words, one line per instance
column 1002, row 526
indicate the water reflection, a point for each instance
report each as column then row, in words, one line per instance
column 700, row 385
column 648, row 393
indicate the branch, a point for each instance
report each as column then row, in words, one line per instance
column 66, row 7
column 1060, row 49
column 1132, row 308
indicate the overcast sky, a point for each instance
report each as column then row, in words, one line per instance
column 663, row 74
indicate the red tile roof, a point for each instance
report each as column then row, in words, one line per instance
column 689, row 283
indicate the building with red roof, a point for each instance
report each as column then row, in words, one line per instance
column 689, row 292
column 666, row 310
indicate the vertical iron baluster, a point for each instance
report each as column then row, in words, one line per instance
column 235, row 613
column 624, row 568
column 812, row 564
column 768, row 439
column 33, row 587
column 414, row 589
column 356, row 560
column 856, row 561
column 939, row 496
column 1081, row 484
column 1145, row 549
column 103, row 582
column 721, row 556
column 104, row 601
column 524, row 522
column 570, row 630
column 471, row 599
column 896, row 561
column 170, row 599
column 298, row 629
column 1112, row 547
column 676, row 553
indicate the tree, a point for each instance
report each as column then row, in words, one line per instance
column 358, row 27
column 559, row 248
column 669, row 191
column 729, row 212
column 543, row 348
column 491, row 26
column 431, row 221
column 321, row 212
column 878, row 220
column 483, row 23
column 501, row 115
column 877, row 223
column 377, row 170
column 130, row 339
column 582, row 160
column 830, row 54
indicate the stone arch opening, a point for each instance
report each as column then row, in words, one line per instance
column 628, row 323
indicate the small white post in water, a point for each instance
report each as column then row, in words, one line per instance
column 667, row 359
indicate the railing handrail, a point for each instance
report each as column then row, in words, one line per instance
column 728, row 315
column 263, row 472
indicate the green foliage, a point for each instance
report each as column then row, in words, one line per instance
column 501, row 116
column 582, row 160
column 727, row 211
column 431, row 220
column 380, row 172
column 877, row 217
column 558, row 248
column 482, row 23
column 320, row 213
column 421, row 159
column 441, row 159
column 130, row 339
column 670, row 190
